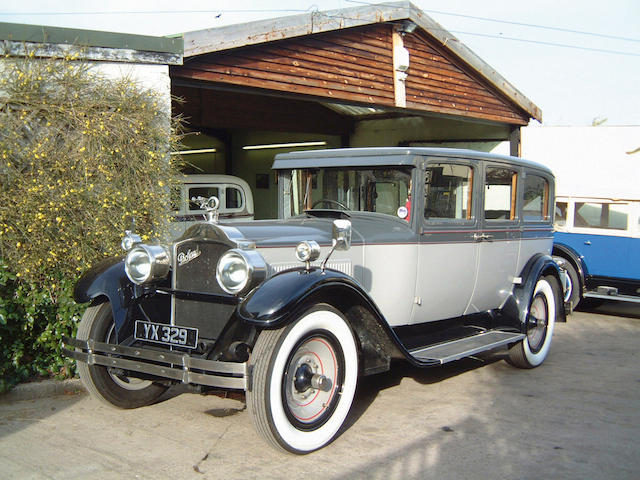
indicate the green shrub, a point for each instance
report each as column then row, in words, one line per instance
column 80, row 155
column 32, row 324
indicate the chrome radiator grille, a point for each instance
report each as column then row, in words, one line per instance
column 194, row 270
column 194, row 266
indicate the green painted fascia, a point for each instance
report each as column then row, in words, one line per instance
column 17, row 32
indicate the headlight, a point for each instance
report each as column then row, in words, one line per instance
column 308, row 251
column 238, row 269
column 146, row 263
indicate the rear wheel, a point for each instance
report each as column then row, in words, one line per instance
column 532, row 350
column 111, row 388
column 304, row 378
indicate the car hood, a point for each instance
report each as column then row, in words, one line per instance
column 366, row 228
column 286, row 233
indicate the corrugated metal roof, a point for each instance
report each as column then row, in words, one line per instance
column 354, row 110
column 16, row 32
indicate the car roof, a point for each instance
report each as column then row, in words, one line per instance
column 387, row 156
column 206, row 178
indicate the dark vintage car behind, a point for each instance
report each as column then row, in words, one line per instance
column 413, row 254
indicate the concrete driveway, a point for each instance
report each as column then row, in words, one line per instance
column 577, row 416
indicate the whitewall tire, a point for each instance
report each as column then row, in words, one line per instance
column 304, row 379
column 532, row 350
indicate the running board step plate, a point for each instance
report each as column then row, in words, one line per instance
column 618, row 297
column 465, row 347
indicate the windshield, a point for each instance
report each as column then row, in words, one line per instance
column 383, row 190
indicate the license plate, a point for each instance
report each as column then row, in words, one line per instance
column 166, row 334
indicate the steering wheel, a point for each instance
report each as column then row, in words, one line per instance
column 329, row 201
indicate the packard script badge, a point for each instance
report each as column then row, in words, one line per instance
column 184, row 258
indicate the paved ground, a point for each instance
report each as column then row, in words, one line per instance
column 577, row 416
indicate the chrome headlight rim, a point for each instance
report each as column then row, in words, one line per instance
column 255, row 270
column 145, row 264
column 307, row 251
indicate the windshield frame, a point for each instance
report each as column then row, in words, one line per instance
column 291, row 192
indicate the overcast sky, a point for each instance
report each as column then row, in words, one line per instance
column 578, row 60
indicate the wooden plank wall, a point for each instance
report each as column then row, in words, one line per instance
column 204, row 108
column 439, row 83
column 353, row 65
column 356, row 65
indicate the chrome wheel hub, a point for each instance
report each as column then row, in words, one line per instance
column 310, row 381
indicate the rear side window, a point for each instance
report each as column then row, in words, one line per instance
column 601, row 215
column 448, row 192
column 500, row 191
column 233, row 198
column 536, row 198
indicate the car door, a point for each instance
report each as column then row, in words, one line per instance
column 447, row 250
column 499, row 238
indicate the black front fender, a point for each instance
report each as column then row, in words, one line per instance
column 279, row 299
column 272, row 303
column 107, row 279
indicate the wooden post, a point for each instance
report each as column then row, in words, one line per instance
column 398, row 76
column 515, row 142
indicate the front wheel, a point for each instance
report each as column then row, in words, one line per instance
column 532, row 350
column 112, row 388
column 304, row 379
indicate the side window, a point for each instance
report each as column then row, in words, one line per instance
column 561, row 214
column 204, row 192
column 500, row 191
column 448, row 191
column 601, row 215
column 233, row 198
column 536, row 198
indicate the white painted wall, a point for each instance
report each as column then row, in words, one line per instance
column 588, row 161
column 155, row 77
column 422, row 131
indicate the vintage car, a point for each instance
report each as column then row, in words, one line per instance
column 415, row 254
column 597, row 241
column 233, row 193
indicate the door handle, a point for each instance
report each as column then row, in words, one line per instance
column 482, row 237
column 587, row 242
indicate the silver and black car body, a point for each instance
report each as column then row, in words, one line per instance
column 414, row 254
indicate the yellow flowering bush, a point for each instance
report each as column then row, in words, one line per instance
column 80, row 156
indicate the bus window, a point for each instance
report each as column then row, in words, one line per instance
column 601, row 215
column 561, row 214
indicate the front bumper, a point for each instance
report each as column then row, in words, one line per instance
column 172, row 365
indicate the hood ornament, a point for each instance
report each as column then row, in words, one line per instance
column 210, row 206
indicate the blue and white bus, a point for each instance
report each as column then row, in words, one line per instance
column 598, row 242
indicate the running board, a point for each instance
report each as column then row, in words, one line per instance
column 465, row 347
column 610, row 296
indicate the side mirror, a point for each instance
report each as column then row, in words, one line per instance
column 341, row 235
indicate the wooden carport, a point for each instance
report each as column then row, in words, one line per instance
column 365, row 76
